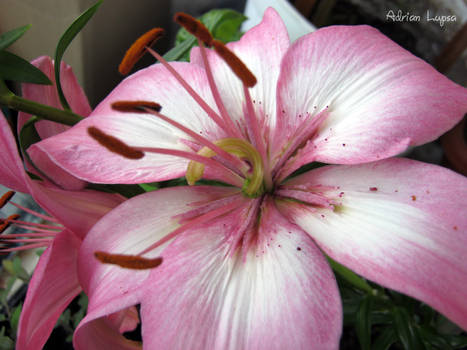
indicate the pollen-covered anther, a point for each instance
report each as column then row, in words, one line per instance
column 133, row 262
column 114, row 145
column 5, row 223
column 194, row 27
column 5, row 198
column 137, row 49
column 135, row 106
column 235, row 63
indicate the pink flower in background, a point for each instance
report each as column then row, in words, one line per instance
column 243, row 266
column 54, row 282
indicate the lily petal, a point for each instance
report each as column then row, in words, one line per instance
column 281, row 295
column 81, row 155
column 76, row 210
column 12, row 174
column 380, row 98
column 129, row 229
column 53, row 286
column 400, row 223
column 99, row 334
column 47, row 94
column 261, row 49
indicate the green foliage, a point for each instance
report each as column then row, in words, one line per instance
column 10, row 314
column 224, row 25
column 69, row 319
column 65, row 41
column 385, row 319
column 15, row 68
column 8, row 38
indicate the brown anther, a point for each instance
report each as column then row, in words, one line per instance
column 5, row 223
column 128, row 261
column 194, row 27
column 5, row 198
column 235, row 63
column 114, row 145
column 135, row 106
column 137, row 50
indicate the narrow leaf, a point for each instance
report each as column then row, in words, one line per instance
column 430, row 336
column 65, row 41
column 181, row 51
column 405, row 329
column 385, row 340
column 350, row 276
column 15, row 68
column 8, row 38
column 363, row 323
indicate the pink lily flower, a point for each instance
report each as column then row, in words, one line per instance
column 243, row 266
column 47, row 95
column 54, row 283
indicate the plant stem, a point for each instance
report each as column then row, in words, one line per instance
column 10, row 100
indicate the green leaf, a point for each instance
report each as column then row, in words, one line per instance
column 457, row 341
column 28, row 136
column 15, row 317
column 385, row 339
column 150, row 186
column 363, row 323
column 405, row 329
column 15, row 68
column 65, row 41
column 8, row 266
column 224, row 25
column 19, row 270
column 8, row 38
column 351, row 277
column 181, row 51
column 430, row 336
column 5, row 342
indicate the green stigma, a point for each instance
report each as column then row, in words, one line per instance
column 253, row 185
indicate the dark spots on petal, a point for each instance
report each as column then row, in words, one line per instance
column 341, row 194
column 323, row 216
column 414, row 198
column 427, row 191
column 373, row 189
column 455, row 228
column 298, row 248
column 326, row 139
column 343, row 145
column 279, row 245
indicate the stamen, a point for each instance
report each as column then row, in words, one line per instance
column 35, row 213
column 114, row 145
column 209, row 111
column 244, row 150
column 237, row 66
column 128, row 261
column 137, row 50
column 230, row 176
column 210, row 215
column 194, row 27
column 5, row 223
column 136, row 106
column 5, row 198
column 216, row 95
column 25, row 247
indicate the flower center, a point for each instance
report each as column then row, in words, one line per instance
column 253, row 185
